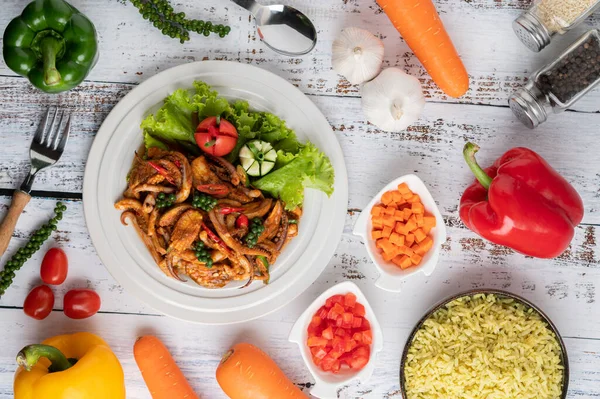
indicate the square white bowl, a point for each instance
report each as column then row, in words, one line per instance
column 390, row 275
column 327, row 384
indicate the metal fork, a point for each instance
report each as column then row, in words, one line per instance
column 46, row 149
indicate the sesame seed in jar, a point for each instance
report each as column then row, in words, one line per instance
column 559, row 15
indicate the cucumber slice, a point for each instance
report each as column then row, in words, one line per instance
column 266, row 167
column 246, row 158
column 258, row 158
column 254, row 169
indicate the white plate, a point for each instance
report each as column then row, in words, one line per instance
column 390, row 275
column 124, row 254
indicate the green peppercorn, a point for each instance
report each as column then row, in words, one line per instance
column 24, row 253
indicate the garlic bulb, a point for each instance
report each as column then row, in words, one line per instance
column 357, row 55
column 393, row 100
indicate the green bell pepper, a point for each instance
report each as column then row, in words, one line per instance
column 52, row 44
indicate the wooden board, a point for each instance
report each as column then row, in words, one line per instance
column 567, row 288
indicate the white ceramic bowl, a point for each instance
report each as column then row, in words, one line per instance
column 390, row 275
column 327, row 384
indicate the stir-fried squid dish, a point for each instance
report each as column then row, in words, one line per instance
column 197, row 217
column 224, row 208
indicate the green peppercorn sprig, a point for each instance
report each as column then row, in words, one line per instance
column 254, row 231
column 165, row 201
column 25, row 252
column 203, row 201
column 175, row 25
column 202, row 254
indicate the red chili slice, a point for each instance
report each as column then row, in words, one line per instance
column 227, row 210
column 162, row 171
column 216, row 239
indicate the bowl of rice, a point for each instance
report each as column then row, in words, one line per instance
column 484, row 344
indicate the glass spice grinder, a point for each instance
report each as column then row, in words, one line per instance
column 557, row 86
column 546, row 18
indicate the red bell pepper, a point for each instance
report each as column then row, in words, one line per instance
column 522, row 203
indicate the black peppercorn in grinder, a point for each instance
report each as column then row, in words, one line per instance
column 557, row 86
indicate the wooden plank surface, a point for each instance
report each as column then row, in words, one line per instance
column 199, row 349
column 132, row 50
column 567, row 288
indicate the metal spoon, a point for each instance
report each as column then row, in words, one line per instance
column 283, row 29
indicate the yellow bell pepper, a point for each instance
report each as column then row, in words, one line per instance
column 77, row 366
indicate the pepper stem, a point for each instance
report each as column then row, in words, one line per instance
column 31, row 354
column 469, row 155
column 50, row 48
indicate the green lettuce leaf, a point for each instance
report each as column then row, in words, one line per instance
column 150, row 141
column 207, row 101
column 262, row 126
column 173, row 121
column 309, row 168
column 283, row 158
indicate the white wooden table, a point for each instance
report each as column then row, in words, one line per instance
column 567, row 288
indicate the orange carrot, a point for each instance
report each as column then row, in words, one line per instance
column 421, row 27
column 161, row 375
column 246, row 372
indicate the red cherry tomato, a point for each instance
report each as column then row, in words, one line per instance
column 39, row 302
column 81, row 304
column 54, row 267
column 216, row 138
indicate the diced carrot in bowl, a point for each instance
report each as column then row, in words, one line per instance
column 397, row 197
column 376, row 210
column 419, row 235
column 387, row 198
column 403, row 188
column 417, row 208
column 402, row 227
column 414, row 199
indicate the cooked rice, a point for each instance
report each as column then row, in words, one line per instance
column 484, row 347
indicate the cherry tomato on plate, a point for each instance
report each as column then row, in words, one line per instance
column 81, row 304
column 39, row 302
column 216, row 136
column 54, row 267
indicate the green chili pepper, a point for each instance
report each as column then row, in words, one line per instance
column 52, row 44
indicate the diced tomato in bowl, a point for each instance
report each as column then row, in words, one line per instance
column 344, row 339
column 339, row 335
